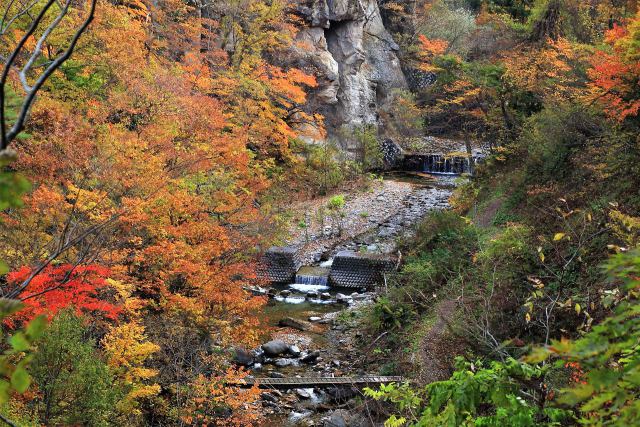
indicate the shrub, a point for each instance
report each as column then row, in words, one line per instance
column 335, row 207
column 389, row 314
column 76, row 386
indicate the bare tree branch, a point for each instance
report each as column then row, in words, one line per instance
column 38, row 49
column 7, row 421
column 6, row 137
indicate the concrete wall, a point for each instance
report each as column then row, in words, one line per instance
column 279, row 265
column 349, row 269
column 352, row 270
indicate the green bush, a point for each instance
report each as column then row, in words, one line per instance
column 324, row 167
column 602, row 388
column 387, row 314
column 443, row 245
column 75, row 385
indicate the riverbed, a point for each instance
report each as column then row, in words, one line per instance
column 317, row 323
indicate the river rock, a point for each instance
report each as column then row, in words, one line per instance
column 325, row 296
column 312, row 294
column 315, row 319
column 257, row 290
column 293, row 323
column 243, row 357
column 311, row 357
column 276, row 374
column 343, row 418
column 282, row 363
column 294, row 350
column 268, row 397
column 342, row 298
column 275, row 347
column 341, row 394
column 285, row 293
column 302, row 393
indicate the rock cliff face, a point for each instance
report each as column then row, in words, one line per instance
column 353, row 57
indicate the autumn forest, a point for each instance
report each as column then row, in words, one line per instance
column 320, row 213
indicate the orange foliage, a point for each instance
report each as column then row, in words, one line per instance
column 615, row 75
column 547, row 70
column 212, row 395
column 158, row 126
column 428, row 50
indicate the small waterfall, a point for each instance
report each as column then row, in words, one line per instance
column 439, row 164
column 311, row 279
column 304, row 279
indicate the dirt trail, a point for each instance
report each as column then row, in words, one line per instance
column 434, row 359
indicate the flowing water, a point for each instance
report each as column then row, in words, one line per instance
column 312, row 297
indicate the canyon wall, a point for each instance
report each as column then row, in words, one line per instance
column 353, row 57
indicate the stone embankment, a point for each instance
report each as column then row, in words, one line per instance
column 371, row 220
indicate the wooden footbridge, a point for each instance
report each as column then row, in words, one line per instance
column 317, row 382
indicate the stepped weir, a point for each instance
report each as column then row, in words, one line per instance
column 313, row 276
column 438, row 163
column 349, row 269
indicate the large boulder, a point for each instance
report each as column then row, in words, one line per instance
column 344, row 418
column 311, row 357
column 243, row 357
column 289, row 322
column 274, row 348
column 294, row 351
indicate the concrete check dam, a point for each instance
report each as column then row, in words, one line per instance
column 318, row 382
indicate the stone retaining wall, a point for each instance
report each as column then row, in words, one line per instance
column 349, row 269
column 279, row 265
column 352, row 270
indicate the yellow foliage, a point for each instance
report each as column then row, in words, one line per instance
column 127, row 350
column 625, row 227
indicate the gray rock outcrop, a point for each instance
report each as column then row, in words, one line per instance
column 353, row 58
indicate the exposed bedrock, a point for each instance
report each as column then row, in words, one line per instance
column 353, row 57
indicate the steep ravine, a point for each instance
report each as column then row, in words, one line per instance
column 315, row 324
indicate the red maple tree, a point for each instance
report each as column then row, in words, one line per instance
column 62, row 286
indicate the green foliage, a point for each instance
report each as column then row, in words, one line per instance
column 604, row 390
column 336, row 203
column 444, row 244
column 450, row 22
column 518, row 9
column 387, row 314
column 476, row 395
column 510, row 249
column 551, row 136
column 15, row 360
column 367, row 147
column 325, row 166
column 403, row 118
column 76, row 386
column 609, row 392
column 336, row 210
column 12, row 185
